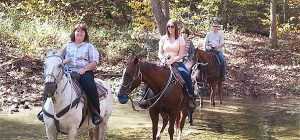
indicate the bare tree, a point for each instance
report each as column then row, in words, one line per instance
column 273, row 27
column 161, row 18
column 285, row 10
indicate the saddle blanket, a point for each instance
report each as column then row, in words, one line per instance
column 102, row 91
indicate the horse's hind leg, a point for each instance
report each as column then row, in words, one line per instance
column 212, row 95
column 172, row 118
column 201, row 98
column 191, row 117
column 220, row 88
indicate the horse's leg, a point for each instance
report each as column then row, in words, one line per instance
column 172, row 118
column 201, row 98
column 91, row 133
column 220, row 88
column 190, row 114
column 177, row 122
column 50, row 129
column 184, row 114
column 72, row 134
column 165, row 122
column 212, row 94
column 102, row 130
column 51, row 134
column 154, row 118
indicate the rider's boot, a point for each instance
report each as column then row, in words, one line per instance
column 40, row 116
column 222, row 76
column 97, row 119
column 144, row 103
column 191, row 103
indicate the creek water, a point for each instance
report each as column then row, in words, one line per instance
column 237, row 118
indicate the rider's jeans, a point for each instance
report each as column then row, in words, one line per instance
column 223, row 63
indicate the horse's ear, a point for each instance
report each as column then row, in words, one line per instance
column 47, row 50
column 136, row 60
column 199, row 66
column 62, row 52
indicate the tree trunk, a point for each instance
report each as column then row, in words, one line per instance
column 160, row 19
column 273, row 27
column 166, row 9
column 285, row 10
column 224, row 14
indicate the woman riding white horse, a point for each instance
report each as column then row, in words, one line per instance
column 81, row 58
column 63, row 109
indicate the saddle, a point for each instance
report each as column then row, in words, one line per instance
column 102, row 91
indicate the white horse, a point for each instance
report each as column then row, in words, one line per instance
column 64, row 108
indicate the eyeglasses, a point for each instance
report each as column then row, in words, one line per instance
column 215, row 26
column 171, row 26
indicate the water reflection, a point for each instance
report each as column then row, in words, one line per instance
column 251, row 118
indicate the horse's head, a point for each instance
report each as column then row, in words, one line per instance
column 53, row 73
column 198, row 74
column 130, row 80
column 201, row 56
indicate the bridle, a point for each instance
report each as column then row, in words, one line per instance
column 137, row 74
column 60, row 72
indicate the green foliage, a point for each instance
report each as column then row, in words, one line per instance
column 143, row 18
column 30, row 37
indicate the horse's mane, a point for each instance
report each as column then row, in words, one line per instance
column 148, row 66
column 53, row 53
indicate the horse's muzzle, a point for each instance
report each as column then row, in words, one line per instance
column 49, row 88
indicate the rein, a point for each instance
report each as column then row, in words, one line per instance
column 138, row 74
column 160, row 94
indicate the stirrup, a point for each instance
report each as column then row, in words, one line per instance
column 191, row 104
column 144, row 104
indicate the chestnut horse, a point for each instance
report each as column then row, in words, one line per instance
column 168, row 99
column 212, row 73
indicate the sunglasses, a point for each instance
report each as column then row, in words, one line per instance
column 171, row 26
column 215, row 26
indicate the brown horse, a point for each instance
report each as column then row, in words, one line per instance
column 213, row 74
column 168, row 99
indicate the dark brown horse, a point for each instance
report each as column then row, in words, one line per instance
column 168, row 99
column 213, row 74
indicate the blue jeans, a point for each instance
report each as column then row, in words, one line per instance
column 186, row 77
column 89, row 87
column 223, row 63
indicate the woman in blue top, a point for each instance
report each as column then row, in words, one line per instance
column 82, row 57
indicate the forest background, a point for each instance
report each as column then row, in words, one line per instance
column 123, row 28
